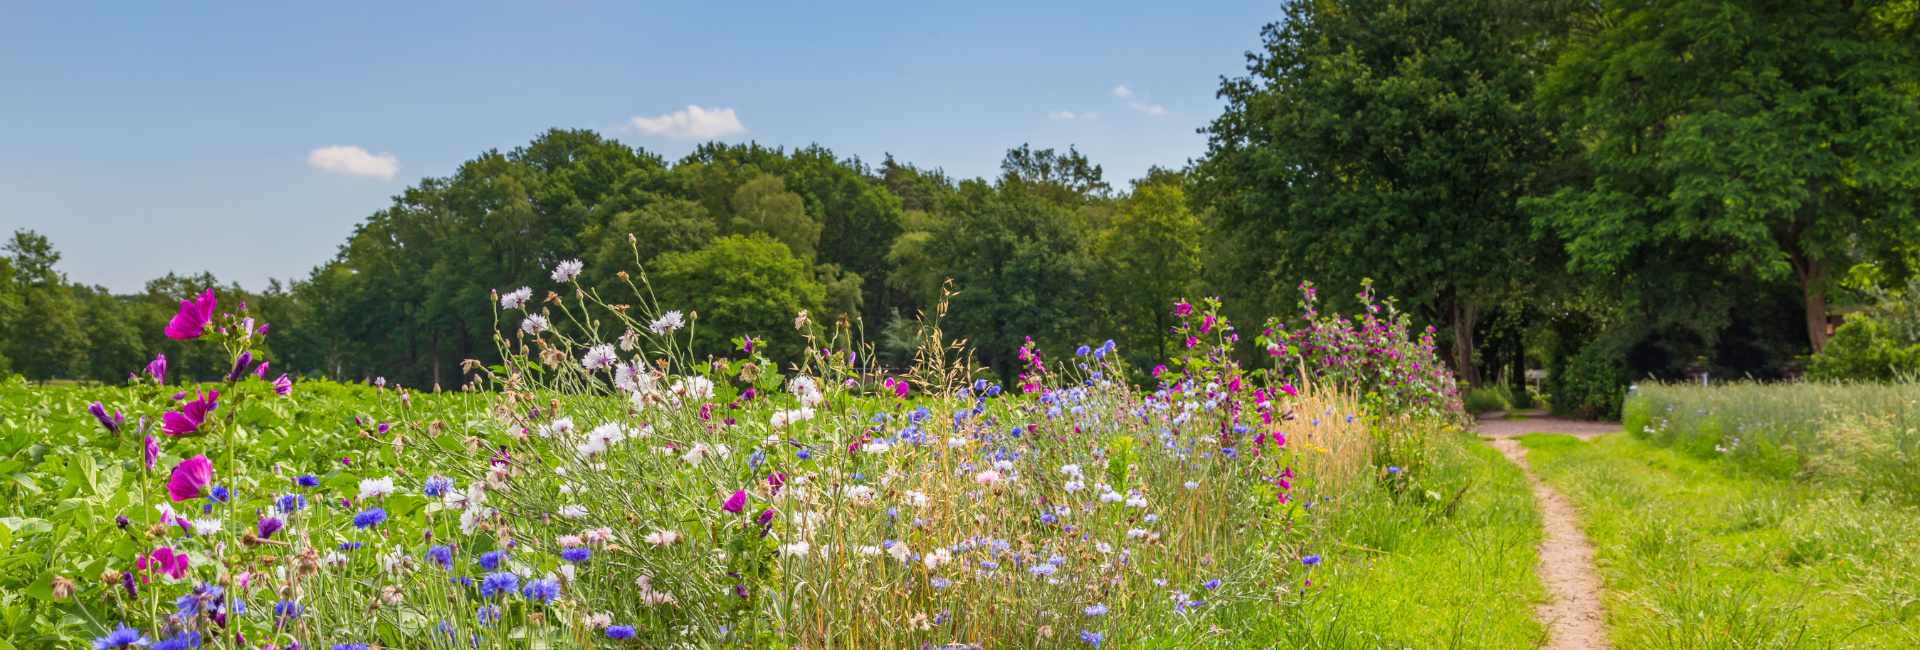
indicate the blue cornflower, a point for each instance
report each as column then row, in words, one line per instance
column 1097, row 609
column 441, row 555
column 619, row 631
column 182, row 642
column 754, row 461
column 486, row 615
column 371, row 517
column 491, row 560
column 940, row 583
column 802, row 454
column 1310, row 560
column 120, row 637
column 219, row 494
column 1093, row 638
column 989, row 565
column 291, row 503
column 993, row 391
column 288, row 609
column 1393, row 470
column 1082, row 351
column 581, row 554
column 438, row 486
column 349, row 546
column 1212, row 584
column 498, row 583
column 542, row 590
column 349, row 646
column 200, row 599
column 307, row 480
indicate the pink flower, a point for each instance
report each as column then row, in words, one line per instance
column 153, row 452
column 189, row 477
column 194, row 315
column 283, row 386
column 191, row 414
column 1288, row 389
column 166, row 562
column 1182, row 309
column 735, row 503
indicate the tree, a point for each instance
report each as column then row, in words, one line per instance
column 763, row 205
column 49, row 340
column 1770, row 137
column 1021, row 269
column 738, row 285
column 1151, row 258
column 1390, row 139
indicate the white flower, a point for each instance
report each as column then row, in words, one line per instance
column 1003, row 465
column 860, row 493
column 668, row 322
column 631, row 377
column 205, row 527
column 877, row 447
column 650, row 597
column 987, row 477
column 395, row 562
column 781, row 419
column 559, row 427
column 567, row 271
column 1192, row 484
column 697, row 389
column 334, row 559
column 1075, row 486
column 599, row 356
column 662, row 537
column 796, row 549
column 1137, row 533
column 1110, row 497
column 956, row 441
column 1103, row 547
column 1137, row 501
column 470, row 518
column 375, row 487
column 701, row 451
column 1071, row 470
column 917, row 499
column 601, row 619
column 516, row 298
column 573, row 511
column 475, row 493
column 534, row 324
column 936, row 557
column 900, row 552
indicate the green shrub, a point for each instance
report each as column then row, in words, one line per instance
column 1866, row 348
column 1590, row 384
column 1487, row 398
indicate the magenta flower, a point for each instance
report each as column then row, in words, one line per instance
column 240, row 364
column 190, row 416
column 153, row 452
column 267, row 526
column 157, row 369
column 193, row 318
column 261, row 370
column 735, row 503
column 111, row 422
column 283, row 386
column 189, row 477
column 166, row 562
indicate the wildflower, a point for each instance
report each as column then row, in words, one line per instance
column 1212, row 584
column 290, row 503
column 566, row 271
column 937, row 557
column 1097, row 609
column 441, row 555
column 514, row 299
column 349, row 546
column 1091, row 638
column 1310, row 560
column 192, row 321
column 534, row 324
column 369, row 517
column 619, row 631
column 1082, row 351
column 735, row 503
column 581, row 554
column 491, row 560
column 573, row 511
column 267, row 526
column 372, row 488
column 1192, row 484
column 497, row 583
column 283, row 386
column 668, row 322
column 987, row 477
column 306, row 480
column 157, row 369
column 288, row 609
column 544, row 590
column 189, row 477
column 190, row 416
column 111, row 423
column 437, row 486
column 184, row 640
column 940, row 583
column 349, row 646
column 599, row 356
column 120, row 637
column 219, row 494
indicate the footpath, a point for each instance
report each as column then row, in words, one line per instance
column 1573, row 613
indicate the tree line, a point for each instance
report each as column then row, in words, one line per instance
column 1609, row 191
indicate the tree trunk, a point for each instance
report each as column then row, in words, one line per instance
column 1465, row 312
column 1813, row 283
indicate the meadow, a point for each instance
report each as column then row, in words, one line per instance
column 603, row 489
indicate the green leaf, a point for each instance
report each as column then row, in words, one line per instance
column 42, row 588
column 85, row 470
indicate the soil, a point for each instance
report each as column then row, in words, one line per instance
column 1573, row 613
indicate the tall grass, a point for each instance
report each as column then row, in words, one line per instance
column 1862, row 436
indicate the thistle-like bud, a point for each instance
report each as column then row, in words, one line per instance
column 63, row 588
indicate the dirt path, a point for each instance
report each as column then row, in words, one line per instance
column 1573, row 612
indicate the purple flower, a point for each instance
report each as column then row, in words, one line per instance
column 438, row 486
column 153, row 452
column 496, row 583
column 1212, row 584
column 190, row 416
column 291, row 503
column 542, row 590
column 491, row 560
column 120, row 637
column 193, row 318
column 183, row 641
column 283, row 386
column 369, row 517
column 260, row 371
column 240, row 364
column 577, row 554
column 189, row 477
column 306, row 480
column 441, row 555
column 1310, row 560
column 1091, row 638
column 111, row 422
column 735, row 503
column 619, row 631
column 267, row 526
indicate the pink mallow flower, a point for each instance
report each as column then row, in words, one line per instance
column 735, row 503
column 283, row 386
column 189, row 477
column 193, row 318
column 191, row 414
column 166, row 562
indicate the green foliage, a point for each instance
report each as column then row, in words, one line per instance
column 1487, row 398
column 1591, row 383
column 1865, row 349
column 1150, row 258
column 738, row 285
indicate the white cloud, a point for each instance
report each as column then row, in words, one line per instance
column 1090, row 115
column 1060, row 115
column 1122, row 92
column 354, row 161
column 1150, row 109
column 695, row 123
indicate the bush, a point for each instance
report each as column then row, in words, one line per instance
column 1591, row 384
column 1487, row 398
column 1866, row 348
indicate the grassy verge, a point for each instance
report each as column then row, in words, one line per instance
column 1424, row 571
column 1697, row 554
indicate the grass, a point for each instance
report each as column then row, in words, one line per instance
column 1702, row 553
column 1448, row 563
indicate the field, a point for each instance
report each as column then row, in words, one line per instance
column 585, row 495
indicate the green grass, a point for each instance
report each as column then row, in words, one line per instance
column 1413, row 572
column 1704, row 554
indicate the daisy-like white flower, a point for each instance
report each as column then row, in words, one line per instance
column 472, row 517
column 599, row 356
column 573, row 511
column 936, row 557
column 559, row 427
column 662, row 537
column 697, row 389
column 567, row 271
column 917, row 499
column 987, row 477
column 516, row 298
column 205, row 527
column 631, row 378
column 534, row 324
column 668, row 322
column 900, row 552
column 375, row 487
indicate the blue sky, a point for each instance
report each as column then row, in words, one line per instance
column 248, row 139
